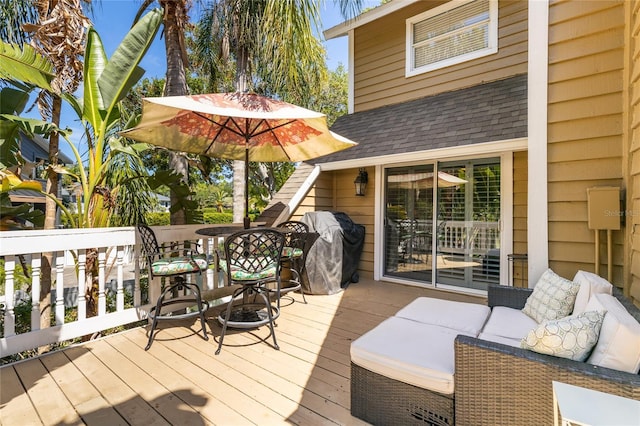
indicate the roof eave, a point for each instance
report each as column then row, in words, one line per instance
column 343, row 29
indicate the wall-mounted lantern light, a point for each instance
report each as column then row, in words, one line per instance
column 361, row 182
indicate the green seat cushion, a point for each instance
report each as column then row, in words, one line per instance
column 178, row 265
column 238, row 273
column 291, row 252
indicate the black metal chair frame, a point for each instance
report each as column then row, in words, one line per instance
column 177, row 282
column 254, row 251
column 296, row 234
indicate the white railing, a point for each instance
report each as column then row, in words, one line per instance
column 474, row 237
column 118, row 254
column 455, row 236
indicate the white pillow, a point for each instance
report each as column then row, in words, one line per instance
column 590, row 283
column 572, row 337
column 552, row 298
column 619, row 344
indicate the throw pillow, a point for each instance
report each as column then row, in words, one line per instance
column 572, row 337
column 619, row 344
column 552, row 298
column 590, row 284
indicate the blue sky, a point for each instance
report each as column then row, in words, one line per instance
column 112, row 19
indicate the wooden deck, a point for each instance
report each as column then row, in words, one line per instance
column 180, row 381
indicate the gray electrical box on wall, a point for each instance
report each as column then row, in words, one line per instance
column 603, row 205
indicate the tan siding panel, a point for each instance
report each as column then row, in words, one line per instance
column 576, row 190
column 633, row 188
column 595, row 169
column 560, row 131
column 596, row 106
column 590, row 44
column 611, row 15
column 568, row 9
column 379, row 77
column 602, row 62
column 520, row 190
column 584, row 149
column 596, row 85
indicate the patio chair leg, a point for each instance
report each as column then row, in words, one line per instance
column 299, row 280
column 224, row 326
column 267, row 302
column 201, row 309
column 227, row 316
column 157, row 310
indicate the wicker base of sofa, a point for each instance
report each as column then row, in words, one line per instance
column 380, row 400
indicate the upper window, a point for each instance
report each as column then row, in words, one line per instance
column 455, row 32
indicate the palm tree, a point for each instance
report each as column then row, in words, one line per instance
column 175, row 21
column 275, row 51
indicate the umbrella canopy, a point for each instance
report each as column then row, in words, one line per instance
column 236, row 126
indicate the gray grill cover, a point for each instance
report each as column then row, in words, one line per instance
column 332, row 261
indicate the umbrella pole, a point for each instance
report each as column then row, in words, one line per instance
column 247, row 221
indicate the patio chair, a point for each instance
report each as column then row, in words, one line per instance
column 173, row 263
column 252, row 258
column 294, row 255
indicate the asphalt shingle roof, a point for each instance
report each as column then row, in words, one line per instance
column 483, row 113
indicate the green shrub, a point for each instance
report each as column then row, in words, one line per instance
column 213, row 216
column 157, row 219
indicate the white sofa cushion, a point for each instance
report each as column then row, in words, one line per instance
column 618, row 346
column 572, row 337
column 466, row 317
column 590, row 284
column 552, row 297
column 508, row 323
column 500, row 339
column 409, row 351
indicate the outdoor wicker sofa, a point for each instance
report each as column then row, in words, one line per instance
column 498, row 384
column 495, row 383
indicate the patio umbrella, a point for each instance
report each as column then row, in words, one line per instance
column 236, row 126
column 425, row 180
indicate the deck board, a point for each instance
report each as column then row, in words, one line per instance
column 113, row 380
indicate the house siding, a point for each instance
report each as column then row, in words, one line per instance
column 633, row 146
column 585, row 127
column 520, row 189
column 334, row 191
column 379, row 71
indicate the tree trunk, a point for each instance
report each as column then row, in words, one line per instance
column 240, row 192
column 50, row 221
column 176, row 85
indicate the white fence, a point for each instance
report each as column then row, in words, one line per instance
column 117, row 255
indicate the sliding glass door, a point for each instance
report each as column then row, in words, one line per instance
column 456, row 244
column 409, row 222
column 468, row 248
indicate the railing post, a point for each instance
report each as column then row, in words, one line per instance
column 102, row 297
column 120, row 282
column 36, row 266
column 9, row 314
column 82, row 279
column 60, row 288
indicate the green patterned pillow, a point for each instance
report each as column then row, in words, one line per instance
column 571, row 337
column 552, row 298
